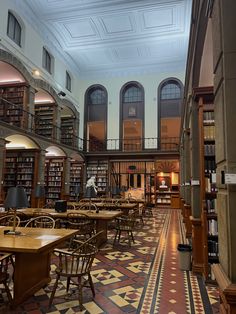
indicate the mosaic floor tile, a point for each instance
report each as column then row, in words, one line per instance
column 141, row 279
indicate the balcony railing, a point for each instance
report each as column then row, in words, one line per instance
column 14, row 115
column 134, row 144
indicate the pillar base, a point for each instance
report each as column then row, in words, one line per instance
column 227, row 290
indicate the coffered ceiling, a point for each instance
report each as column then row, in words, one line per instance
column 113, row 37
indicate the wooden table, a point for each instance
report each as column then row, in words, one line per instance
column 32, row 251
column 125, row 207
column 102, row 218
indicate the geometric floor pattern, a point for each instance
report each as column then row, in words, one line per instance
column 141, row 279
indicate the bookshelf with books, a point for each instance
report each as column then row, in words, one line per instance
column 163, row 198
column 208, row 180
column 68, row 130
column 76, row 179
column 14, row 104
column 45, row 117
column 54, row 179
column 21, row 169
column 99, row 169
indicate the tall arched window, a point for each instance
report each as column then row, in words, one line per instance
column 132, row 116
column 96, row 118
column 170, row 99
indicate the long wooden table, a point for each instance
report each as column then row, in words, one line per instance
column 125, row 207
column 32, row 251
column 102, row 218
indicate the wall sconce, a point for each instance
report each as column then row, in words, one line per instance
column 36, row 72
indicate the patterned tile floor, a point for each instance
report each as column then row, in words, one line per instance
column 144, row 278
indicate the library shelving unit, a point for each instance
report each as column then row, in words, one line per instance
column 67, row 130
column 54, row 179
column 208, row 180
column 14, row 104
column 163, row 198
column 99, row 169
column 76, row 170
column 45, row 117
column 21, row 169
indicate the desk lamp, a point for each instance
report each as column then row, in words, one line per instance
column 16, row 198
column 39, row 192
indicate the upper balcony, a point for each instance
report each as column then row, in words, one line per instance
column 15, row 116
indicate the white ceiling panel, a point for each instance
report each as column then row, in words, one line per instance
column 99, row 37
column 80, row 28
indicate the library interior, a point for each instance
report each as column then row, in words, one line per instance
column 117, row 156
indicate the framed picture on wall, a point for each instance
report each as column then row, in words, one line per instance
column 132, row 111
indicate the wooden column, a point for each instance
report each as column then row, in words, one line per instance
column 187, row 221
column 227, row 291
column 197, row 253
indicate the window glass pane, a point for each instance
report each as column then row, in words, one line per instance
column 47, row 63
column 132, row 94
column 17, row 34
column 97, row 97
column 68, row 81
column 14, row 29
column 170, row 91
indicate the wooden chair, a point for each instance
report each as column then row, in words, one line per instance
column 4, row 275
column 77, row 265
column 8, row 220
column 85, row 226
column 41, row 222
column 125, row 224
column 87, row 206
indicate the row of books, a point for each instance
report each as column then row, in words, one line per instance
column 210, row 165
column 212, row 227
column 213, row 248
column 208, row 116
column 209, row 132
column 209, row 149
column 211, row 206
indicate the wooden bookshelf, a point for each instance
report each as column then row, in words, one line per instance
column 14, row 104
column 76, row 179
column 99, row 169
column 21, row 168
column 67, row 130
column 208, row 182
column 163, row 198
column 54, row 178
column 45, row 117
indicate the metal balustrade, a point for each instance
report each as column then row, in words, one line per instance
column 14, row 115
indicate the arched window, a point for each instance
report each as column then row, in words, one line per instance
column 14, row 29
column 132, row 116
column 170, row 100
column 96, row 118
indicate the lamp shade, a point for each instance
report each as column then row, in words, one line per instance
column 90, row 192
column 16, row 198
column 39, row 191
